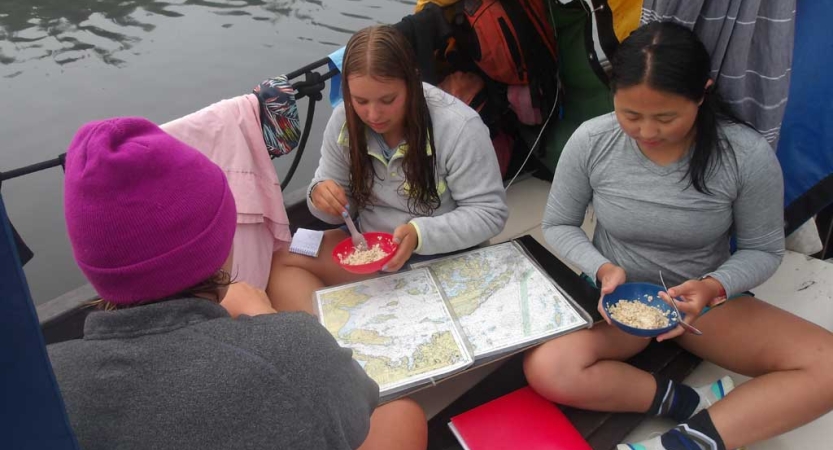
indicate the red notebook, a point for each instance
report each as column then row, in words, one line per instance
column 518, row 420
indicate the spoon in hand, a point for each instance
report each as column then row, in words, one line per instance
column 680, row 320
column 359, row 242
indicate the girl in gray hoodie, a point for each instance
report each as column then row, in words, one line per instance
column 403, row 156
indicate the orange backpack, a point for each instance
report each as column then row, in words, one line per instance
column 512, row 42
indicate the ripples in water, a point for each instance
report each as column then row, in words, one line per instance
column 66, row 31
column 65, row 62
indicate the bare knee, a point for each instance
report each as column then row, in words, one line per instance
column 819, row 367
column 409, row 411
column 810, row 357
column 292, row 288
column 554, row 371
column 281, row 258
column 400, row 424
column 810, row 352
column 277, row 270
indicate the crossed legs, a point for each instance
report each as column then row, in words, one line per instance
column 790, row 359
column 294, row 278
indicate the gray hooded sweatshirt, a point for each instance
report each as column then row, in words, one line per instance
column 473, row 207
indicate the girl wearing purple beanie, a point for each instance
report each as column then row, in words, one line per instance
column 403, row 156
column 177, row 356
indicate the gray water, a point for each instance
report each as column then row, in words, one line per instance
column 66, row 62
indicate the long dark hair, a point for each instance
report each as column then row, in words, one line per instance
column 382, row 52
column 670, row 58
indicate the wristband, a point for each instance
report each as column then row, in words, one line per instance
column 312, row 188
column 722, row 292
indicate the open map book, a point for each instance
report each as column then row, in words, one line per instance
column 415, row 327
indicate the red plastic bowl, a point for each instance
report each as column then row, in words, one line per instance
column 345, row 248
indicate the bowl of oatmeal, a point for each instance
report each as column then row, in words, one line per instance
column 381, row 249
column 637, row 309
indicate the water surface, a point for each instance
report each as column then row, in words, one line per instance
column 66, row 62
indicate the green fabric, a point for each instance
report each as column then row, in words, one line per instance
column 585, row 95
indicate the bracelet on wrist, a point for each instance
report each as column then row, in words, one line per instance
column 312, row 188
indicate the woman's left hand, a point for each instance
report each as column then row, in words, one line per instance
column 695, row 295
column 406, row 238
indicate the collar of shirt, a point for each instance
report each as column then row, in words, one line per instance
column 344, row 140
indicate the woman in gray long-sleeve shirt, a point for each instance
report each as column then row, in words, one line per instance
column 670, row 178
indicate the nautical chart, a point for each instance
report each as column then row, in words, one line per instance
column 502, row 300
column 398, row 327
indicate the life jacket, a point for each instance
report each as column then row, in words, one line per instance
column 480, row 93
column 466, row 86
column 513, row 43
column 471, row 89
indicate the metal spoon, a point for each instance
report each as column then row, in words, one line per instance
column 680, row 320
column 359, row 242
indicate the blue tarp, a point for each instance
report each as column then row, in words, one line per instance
column 32, row 414
column 806, row 146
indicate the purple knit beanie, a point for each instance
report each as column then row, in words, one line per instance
column 147, row 215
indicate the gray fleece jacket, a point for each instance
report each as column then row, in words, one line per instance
column 473, row 207
column 182, row 375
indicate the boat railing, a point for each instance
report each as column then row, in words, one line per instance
column 311, row 87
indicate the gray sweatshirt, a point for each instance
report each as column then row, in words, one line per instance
column 182, row 374
column 473, row 207
column 648, row 220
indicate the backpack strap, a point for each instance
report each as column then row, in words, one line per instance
column 479, row 99
column 604, row 27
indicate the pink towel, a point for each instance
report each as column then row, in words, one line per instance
column 229, row 133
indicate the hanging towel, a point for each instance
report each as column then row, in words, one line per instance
column 751, row 46
column 229, row 133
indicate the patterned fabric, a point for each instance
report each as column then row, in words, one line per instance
column 751, row 46
column 278, row 115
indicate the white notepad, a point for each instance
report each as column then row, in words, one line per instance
column 306, row 242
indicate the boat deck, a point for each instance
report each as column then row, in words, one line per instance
column 802, row 285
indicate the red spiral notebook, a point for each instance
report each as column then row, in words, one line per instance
column 518, row 420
